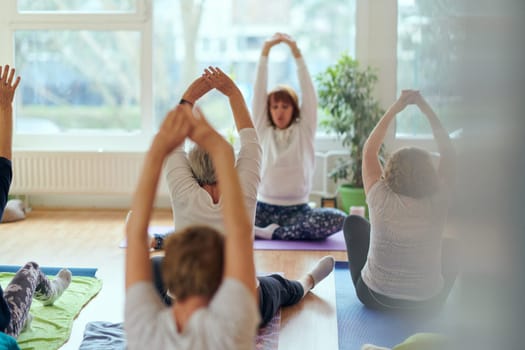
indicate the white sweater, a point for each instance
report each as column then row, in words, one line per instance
column 288, row 155
column 191, row 204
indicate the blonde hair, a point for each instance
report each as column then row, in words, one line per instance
column 193, row 263
column 287, row 94
column 201, row 166
column 409, row 171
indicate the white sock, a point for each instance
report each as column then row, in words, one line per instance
column 59, row 285
column 322, row 269
column 266, row 232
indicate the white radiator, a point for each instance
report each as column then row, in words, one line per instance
column 111, row 173
column 75, row 173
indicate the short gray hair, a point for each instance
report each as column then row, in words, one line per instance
column 409, row 171
column 201, row 166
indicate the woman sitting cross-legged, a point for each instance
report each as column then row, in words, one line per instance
column 286, row 127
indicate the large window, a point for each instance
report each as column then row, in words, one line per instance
column 101, row 74
column 80, row 6
column 230, row 35
column 78, row 81
column 428, row 36
column 85, row 81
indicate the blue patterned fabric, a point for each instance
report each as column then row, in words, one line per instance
column 299, row 222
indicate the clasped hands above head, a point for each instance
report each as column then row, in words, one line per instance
column 212, row 77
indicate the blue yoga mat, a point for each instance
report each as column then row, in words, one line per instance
column 358, row 325
column 75, row 271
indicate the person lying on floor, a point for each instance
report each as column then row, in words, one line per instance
column 197, row 197
column 29, row 282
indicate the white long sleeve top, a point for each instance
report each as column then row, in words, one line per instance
column 191, row 204
column 288, row 155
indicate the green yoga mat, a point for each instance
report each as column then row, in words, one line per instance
column 51, row 326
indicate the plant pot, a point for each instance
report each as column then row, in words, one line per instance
column 352, row 196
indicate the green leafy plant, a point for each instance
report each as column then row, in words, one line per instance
column 346, row 95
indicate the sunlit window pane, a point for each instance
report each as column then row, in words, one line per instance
column 78, row 82
column 426, row 53
column 82, row 6
column 233, row 41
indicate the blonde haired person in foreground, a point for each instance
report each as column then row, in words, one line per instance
column 400, row 260
column 214, row 286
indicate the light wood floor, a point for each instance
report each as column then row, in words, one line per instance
column 90, row 238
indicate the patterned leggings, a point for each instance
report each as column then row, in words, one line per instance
column 299, row 222
column 29, row 281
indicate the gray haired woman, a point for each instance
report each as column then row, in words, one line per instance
column 400, row 259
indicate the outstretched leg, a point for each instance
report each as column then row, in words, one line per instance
column 276, row 291
column 30, row 282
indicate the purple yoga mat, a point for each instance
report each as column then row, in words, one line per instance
column 335, row 242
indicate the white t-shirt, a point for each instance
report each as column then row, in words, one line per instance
column 404, row 257
column 288, row 155
column 191, row 204
column 229, row 322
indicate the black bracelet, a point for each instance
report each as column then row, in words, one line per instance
column 183, row 101
column 159, row 241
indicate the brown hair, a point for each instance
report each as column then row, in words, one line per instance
column 285, row 94
column 409, row 171
column 193, row 263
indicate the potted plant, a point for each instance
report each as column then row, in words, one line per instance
column 346, row 95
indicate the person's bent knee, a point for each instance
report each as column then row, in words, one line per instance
column 353, row 222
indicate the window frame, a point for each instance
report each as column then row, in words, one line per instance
column 376, row 45
column 137, row 21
